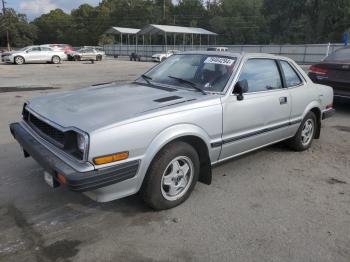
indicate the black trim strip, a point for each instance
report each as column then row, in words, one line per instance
column 259, row 132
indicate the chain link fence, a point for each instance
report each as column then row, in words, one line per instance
column 302, row 54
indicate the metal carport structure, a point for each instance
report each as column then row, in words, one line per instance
column 167, row 30
column 115, row 30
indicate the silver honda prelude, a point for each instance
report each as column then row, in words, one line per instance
column 163, row 132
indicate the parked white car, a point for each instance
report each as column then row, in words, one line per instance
column 34, row 54
column 165, row 131
column 162, row 56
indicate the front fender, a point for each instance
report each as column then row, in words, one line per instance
column 170, row 134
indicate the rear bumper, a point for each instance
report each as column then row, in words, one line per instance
column 74, row 180
column 328, row 113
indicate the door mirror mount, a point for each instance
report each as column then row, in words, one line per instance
column 240, row 88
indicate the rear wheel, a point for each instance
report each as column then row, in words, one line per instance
column 99, row 58
column 19, row 60
column 171, row 177
column 56, row 59
column 306, row 133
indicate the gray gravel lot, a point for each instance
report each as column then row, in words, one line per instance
column 270, row 205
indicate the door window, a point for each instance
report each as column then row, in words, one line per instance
column 292, row 78
column 45, row 49
column 261, row 75
column 34, row 49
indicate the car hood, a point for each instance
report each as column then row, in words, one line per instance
column 96, row 107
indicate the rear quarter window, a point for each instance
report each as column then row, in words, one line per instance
column 292, row 78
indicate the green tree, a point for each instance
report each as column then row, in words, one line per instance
column 21, row 32
column 54, row 27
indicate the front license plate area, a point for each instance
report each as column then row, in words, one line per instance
column 50, row 180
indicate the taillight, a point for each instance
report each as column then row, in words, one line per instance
column 318, row 70
column 330, row 106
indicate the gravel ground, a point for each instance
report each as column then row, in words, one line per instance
column 270, row 205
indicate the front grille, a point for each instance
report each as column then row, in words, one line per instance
column 45, row 129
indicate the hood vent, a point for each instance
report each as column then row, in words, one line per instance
column 167, row 99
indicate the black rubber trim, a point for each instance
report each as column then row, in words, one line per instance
column 328, row 114
column 76, row 181
column 259, row 132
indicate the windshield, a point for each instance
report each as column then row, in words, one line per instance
column 207, row 72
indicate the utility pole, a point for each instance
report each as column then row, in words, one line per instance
column 164, row 10
column 7, row 25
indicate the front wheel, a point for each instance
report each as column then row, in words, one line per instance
column 305, row 134
column 19, row 60
column 99, row 58
column 56, row 59
column 171, row 177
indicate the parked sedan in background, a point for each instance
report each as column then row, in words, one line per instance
column 34, row 54
column 334, row 71
column 171, row 125
column 87, row 53
column 162, row 56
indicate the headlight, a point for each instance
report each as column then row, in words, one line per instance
column 81, row 143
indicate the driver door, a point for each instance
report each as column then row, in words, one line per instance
column 262, row 117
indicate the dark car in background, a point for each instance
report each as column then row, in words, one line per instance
column 334, row 71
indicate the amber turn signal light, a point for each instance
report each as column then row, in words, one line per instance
column 111, row 158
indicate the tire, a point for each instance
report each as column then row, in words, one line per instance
column 171, row 176
column 305, row 134
column 19, row 60
column 56, row 60
column 162, row 59
column 99, row 58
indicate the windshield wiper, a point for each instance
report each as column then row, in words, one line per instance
column 188, row 82
column 147, row 78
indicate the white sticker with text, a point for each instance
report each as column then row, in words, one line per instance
column 219, row 60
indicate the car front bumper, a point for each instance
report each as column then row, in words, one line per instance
column 74, row 180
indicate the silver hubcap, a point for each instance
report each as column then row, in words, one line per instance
column 56, row 60
column 307, row 132
column 177, row 178
column 19, row 60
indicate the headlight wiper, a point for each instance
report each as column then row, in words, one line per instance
column 188, row 82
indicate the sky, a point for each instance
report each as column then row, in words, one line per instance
column 35, row 8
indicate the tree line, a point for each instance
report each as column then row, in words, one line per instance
column 236, row 21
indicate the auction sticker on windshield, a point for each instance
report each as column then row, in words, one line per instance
column 219, row 60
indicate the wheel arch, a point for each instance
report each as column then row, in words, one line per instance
column 191, row 134
column 318, row 115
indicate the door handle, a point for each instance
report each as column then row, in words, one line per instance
column 283, row 100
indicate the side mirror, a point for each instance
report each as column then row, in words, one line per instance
column 240, row 88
